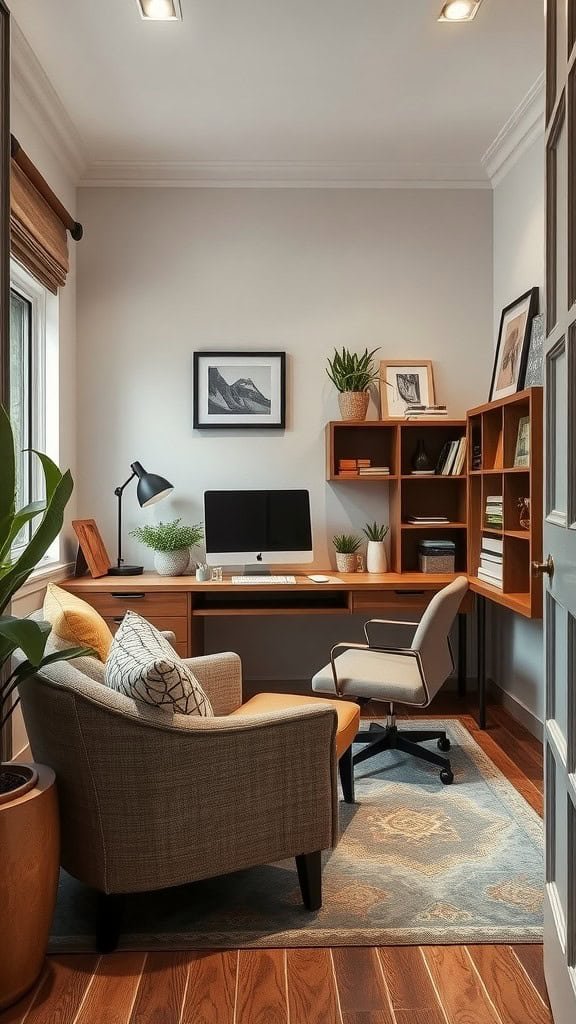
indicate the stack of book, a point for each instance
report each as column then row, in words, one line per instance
column 425, row 412
column 476, row 455
column 491, row 568
column 493, row 513
column 352, row 468
column 452, row 458
column 427, row 520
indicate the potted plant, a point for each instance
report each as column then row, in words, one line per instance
column 352, row 375
column 29, row 827
column 346, row 545
column 170, row 543
column 376, row 560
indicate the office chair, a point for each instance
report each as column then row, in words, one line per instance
column 399, row 675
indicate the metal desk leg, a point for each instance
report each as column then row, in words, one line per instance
column 481, row 640
column 462, row 643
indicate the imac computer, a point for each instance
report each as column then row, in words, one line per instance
column 257, row 528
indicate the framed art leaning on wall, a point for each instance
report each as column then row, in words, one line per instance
column 236, row 390
column 512, row 348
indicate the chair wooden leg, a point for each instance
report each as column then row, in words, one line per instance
column 109, row 913
column 309, row 866
column 346, row 770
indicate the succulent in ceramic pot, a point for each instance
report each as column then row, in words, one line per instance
column 352, row 375
column 346, row 546
column 376, row 557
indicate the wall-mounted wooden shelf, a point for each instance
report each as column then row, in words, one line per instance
column 494, row 427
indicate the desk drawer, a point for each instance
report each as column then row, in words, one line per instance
column 177, row 626
column 146, row 604
column 370, row 600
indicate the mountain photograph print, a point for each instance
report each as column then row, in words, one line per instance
column 235, row 390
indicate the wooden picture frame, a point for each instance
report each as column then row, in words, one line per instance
column 522, row 449
column 239, row 390
column 91, row 547
column 405, row 382
column 511, row 353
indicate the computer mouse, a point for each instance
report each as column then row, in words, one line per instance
column 319, row 579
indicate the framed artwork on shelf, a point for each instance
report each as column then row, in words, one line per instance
column 239, row 390
column 534, row 375
column 512, row 348
column 92, row 554
column 522, row 453
column 402, row 383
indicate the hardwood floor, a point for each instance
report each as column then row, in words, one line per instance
column 345, row 985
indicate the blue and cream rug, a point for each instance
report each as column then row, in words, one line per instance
column 417, row 863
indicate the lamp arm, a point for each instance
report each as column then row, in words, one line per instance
column 119, row 492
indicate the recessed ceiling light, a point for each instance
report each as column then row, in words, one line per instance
column 160, row 10
column 459, row 10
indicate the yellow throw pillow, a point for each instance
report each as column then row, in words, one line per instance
column 76, row 621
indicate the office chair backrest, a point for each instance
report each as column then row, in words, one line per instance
column 431, row 637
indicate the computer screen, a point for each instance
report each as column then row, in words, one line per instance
column 257, row 526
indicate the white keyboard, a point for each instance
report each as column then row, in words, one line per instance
column 263, row 579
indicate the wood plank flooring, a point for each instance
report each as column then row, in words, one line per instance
column 393, row 985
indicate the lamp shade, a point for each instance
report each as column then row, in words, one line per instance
column 151, row 488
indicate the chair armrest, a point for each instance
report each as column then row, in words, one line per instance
column 397, row 624
column 405, row 651
column 220, row 675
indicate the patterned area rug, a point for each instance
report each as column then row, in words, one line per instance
column 417, row 863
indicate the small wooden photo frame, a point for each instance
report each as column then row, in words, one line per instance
column 92, row 554
column 405, row 382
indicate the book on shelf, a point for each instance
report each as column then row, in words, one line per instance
column 492, row 568
column 490, row 557
column 425, row 411
column 374, row 470
column 482, row 575
column 495, row 545
column 476, row 456
column 452, row 457
column 348, row 474
column 426, row 520
column 348, row 464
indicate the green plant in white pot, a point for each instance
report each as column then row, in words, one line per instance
column 171, row 544
column 376, row 560
column 352, row 375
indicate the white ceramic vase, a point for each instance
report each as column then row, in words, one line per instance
column 172, row 563
column 376, row 558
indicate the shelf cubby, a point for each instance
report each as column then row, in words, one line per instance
column 376, row 441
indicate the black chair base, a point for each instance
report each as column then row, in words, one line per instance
column 378, row 738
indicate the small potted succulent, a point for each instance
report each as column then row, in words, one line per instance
column 170, row 543
column 346, row 546
column 376, row 560
column 352, row 375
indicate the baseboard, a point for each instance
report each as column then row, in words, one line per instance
column 518, row 710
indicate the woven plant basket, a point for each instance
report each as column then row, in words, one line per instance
column 353, row 404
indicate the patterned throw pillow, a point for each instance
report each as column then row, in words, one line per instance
column 143, row 665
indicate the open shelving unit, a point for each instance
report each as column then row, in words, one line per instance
column 494, row 428
column 394, row 443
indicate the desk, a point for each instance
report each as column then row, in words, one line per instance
column 182, row 604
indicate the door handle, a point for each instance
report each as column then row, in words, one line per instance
column 544, row 568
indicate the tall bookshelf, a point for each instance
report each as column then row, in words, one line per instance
column 393, row 443
column 493, row 431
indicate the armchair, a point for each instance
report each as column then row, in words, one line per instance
column 149, row 801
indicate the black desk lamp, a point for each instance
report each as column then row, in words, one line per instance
column 151, row 488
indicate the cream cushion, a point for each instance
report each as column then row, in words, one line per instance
column 76, row 621
column 375, row 675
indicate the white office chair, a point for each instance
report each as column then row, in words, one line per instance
column 410, row 675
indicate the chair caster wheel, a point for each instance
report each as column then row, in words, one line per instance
column 444, row 743
column 447, row 776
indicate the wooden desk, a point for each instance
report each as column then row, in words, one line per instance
column 181, row 604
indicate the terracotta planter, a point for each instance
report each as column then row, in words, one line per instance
column 376, row 559
column 346, row 563
column 353, row 404
column 30, row 857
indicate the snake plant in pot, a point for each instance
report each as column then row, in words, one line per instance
column 352, row 375
column 29, row 840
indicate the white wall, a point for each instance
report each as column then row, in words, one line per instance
column 518, row 662
column 163, row 272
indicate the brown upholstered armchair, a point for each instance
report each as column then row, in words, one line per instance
column 149, row 801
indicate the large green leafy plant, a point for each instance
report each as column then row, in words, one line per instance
column 15, row 633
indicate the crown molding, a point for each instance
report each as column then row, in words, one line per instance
column 32, row 90
column 521, row 129
column 279, row 174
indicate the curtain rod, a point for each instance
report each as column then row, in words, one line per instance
column 41, row 185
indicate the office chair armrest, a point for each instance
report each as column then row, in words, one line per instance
column 406, row 651
column 387, row 622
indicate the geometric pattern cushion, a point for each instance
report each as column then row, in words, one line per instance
column 76, row 621
column 142, row 664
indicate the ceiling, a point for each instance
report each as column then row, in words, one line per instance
column 366, row 90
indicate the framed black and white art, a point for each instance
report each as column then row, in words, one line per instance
column 239, row 390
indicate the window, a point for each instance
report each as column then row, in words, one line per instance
column 33, row 388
